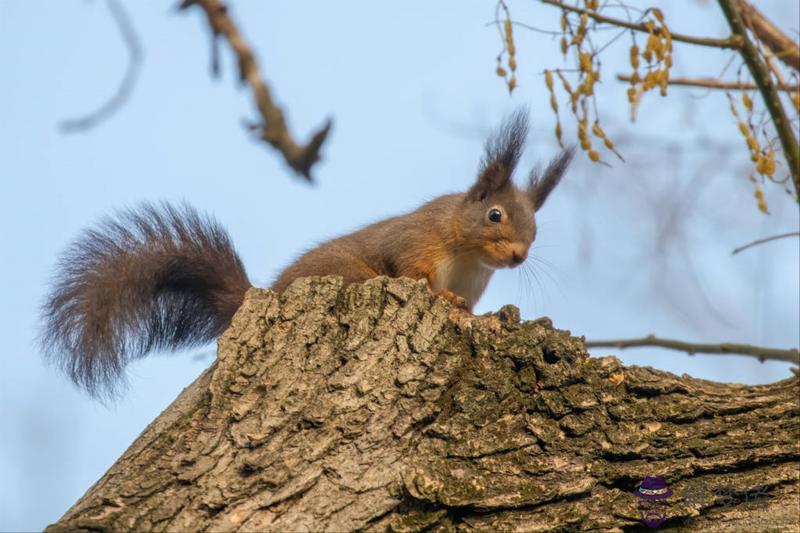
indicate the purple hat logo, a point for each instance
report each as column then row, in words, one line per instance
column 653, row 493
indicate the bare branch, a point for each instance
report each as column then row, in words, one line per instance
column 762, row 78
column 762, row 353
column 131, row 40
column 713, row 83
column 767, row 239
column 784, row 47
column 769, row 57
column 273, row 128
column 733, row 42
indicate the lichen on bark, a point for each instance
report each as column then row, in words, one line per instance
column 376, row 407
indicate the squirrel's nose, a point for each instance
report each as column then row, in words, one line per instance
column 518, row 257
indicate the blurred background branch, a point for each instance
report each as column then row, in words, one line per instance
column 758, row 48
column 726, row 348
column 784, row 47
column 713, row 83
column 730, row 42
column 135, row 55
column 761, row 75
column 765, row 240
column 273, row 129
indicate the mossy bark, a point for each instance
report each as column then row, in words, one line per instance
column 372, row 408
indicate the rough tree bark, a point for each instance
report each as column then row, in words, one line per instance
column 370, row 408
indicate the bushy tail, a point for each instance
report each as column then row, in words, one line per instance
column 153, row 277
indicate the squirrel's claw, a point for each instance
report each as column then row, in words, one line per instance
column 457, row 301
column 460, row 302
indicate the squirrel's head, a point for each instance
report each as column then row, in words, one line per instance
column 498, row 216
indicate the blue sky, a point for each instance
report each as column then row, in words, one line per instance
column 636, row 248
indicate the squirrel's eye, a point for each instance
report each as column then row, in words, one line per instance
column 495, row 215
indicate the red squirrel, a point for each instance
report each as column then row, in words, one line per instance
column 165, row 277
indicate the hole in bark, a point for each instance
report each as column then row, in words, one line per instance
column 247, row 469
column 624, row 484
column 309, row 423
column 550, row 356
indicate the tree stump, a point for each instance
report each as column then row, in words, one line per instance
column 378, row 407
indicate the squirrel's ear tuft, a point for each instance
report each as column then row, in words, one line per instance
column 541, row 185
column 502, row 152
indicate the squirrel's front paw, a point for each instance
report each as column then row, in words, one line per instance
column 456, row 300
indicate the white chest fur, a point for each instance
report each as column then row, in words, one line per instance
column 466, row 277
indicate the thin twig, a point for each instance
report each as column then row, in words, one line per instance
column 769, row 57
column 497, row 23
column 731, row 42
column 273, row 128
column 762, row 78
column 766, row 239
column 784, row 47
column 135, row 55
column 762, row 353
column 713, row 83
